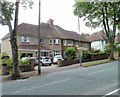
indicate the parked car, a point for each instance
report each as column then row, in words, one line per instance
column 44, row 61
column 26, row 58
column 56, row 58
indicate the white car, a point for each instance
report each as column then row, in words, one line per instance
column 56, row 58
column 44, row 61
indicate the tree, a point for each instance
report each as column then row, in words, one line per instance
column 6, row 14
column 96, row 14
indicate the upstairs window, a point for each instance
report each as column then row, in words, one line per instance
column 50, row 41
column 77, row 44
column 69, row 42
column 41, row 40
column 25, row 39
column 65, row 42
column 56, row 41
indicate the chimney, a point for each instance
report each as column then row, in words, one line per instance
column 50, row 22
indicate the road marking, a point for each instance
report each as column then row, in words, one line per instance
column 100, row 71
column 112, row 92
column 40, row 86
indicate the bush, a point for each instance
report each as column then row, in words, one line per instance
column 70, row 53
column 5, row 59
column 25, row 62
column 86, row 54
column 96, row 51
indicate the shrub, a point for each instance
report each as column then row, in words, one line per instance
column 25, row 62
column 86, row 54
column 70, row 53
column 107, row 49
column 117, row 47
column 96, row 51
column 5, row 59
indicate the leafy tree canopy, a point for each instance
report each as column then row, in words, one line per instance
column 7, row 9
column 92, row 12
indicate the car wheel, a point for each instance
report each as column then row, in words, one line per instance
column 50, row 64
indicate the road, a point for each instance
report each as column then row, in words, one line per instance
column 96, row 80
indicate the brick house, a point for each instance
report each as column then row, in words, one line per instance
column 53, row 39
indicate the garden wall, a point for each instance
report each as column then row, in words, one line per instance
column 23, row 68
column 66, row 62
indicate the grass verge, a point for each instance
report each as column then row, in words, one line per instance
column 93, row 63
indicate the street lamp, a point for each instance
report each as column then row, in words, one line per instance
column 39, row 46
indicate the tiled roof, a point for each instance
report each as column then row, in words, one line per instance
column 47, row 30
column 97, row 36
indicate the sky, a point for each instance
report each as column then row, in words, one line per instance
column 61, row 11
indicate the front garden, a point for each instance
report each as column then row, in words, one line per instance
column 72, row 56
column 7, row 67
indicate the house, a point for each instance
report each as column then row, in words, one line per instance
column 53, row 38
column 98, row 40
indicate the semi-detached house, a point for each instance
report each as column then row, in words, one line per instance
column 53, row 38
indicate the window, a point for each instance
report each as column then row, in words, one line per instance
column 77, row 44
column 85, row 45
column 57, row 52
column 41, row 40
column 65, row 42
column 70, row 42
column 50, row 41
column 25, row 39
column 44, row 54
column 56, row 41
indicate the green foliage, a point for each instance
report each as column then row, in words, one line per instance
column 117, row 47
column 8, row 61
column 8, row 9
column 25, row 62
column 86, row 54
column 96, row 51
column 92, row 12
column 97, row 14
column 70, row 53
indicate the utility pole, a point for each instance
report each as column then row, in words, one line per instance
column 80, row 50
column 39, row 44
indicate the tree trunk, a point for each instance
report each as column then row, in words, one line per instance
column 113, row 33
column 111, row 57
column 13, row 41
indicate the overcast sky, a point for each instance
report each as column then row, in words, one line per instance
column 61, row 11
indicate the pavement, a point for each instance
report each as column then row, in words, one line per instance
column 44, row 70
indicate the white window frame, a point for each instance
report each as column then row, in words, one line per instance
column 70, row 44
column 50, row 41
column 25, row 37
column 64, row 42
column 77, row 44
column 56, row 41
column 57, row 52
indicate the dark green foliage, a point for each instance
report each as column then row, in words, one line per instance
column 70, row 53
column 97, row 14
column 86, row 54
